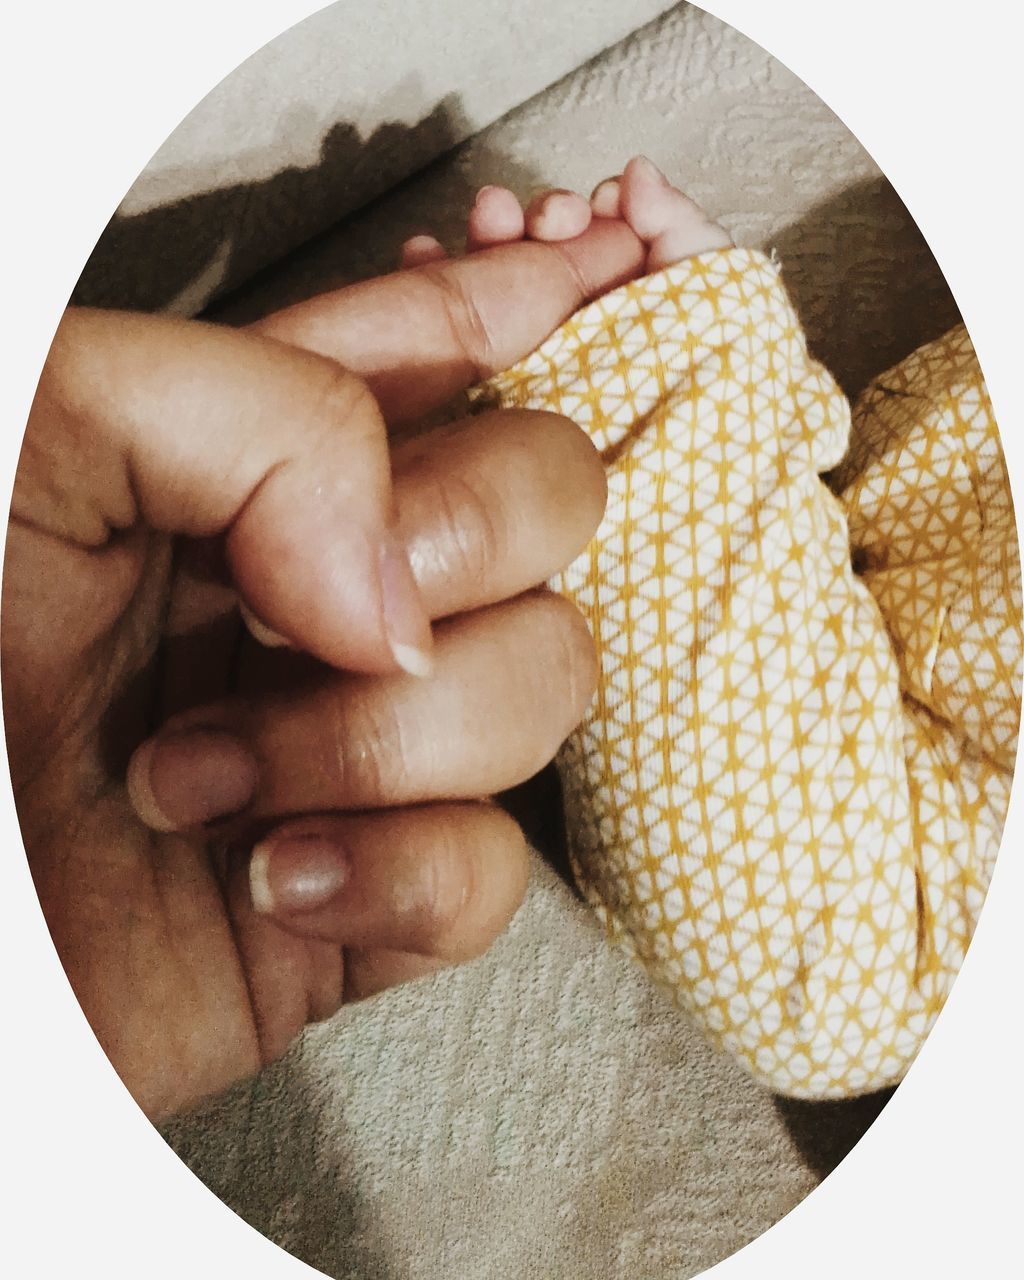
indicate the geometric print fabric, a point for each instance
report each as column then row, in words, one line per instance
column 787, row 796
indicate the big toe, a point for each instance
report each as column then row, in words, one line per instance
column 557, row 215
column 672, row 225
column 604, row 199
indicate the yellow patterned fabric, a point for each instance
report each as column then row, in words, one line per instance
column 788, row 794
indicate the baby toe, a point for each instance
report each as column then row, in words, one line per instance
column 496, row 218
column 417, row 251
column 604, row 199
column 557, row 215
column 672, row 225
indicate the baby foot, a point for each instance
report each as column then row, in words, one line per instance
column 668, row 223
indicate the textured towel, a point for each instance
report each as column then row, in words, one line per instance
column 329, row 115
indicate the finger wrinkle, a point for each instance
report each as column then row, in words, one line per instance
column 468, row 327
column 436, row 903
column 577, row 282
column 369, row 747
column 472, row 519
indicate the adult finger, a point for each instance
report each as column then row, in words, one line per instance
column 418, row 337
column 487, row 508
column 510, row 683
column 439, row 881
column 495, row 504
column 370, row 970
column 197, row 430
column 336, row 907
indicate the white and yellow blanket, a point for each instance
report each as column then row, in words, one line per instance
column 789, row 792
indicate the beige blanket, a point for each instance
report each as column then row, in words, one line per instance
column 331, row 114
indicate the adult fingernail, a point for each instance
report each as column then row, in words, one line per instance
column 296, row 873
column 184, row 779
column 259, row 631
column 405, row 619
column 483, row 191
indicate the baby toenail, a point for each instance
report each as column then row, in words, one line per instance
column 651, row 170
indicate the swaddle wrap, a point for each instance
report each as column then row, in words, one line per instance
column 788, row 794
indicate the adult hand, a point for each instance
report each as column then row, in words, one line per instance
column 150, row 437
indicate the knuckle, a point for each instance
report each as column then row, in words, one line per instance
column 449, row 887
column 370, row 751
column 477, row 878
column 573, row 272
column 465, row 320
column 475, row 527
column 343, row 398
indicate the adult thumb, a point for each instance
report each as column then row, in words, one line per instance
column 198, row 430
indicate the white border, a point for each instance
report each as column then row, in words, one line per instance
column 933, row 91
